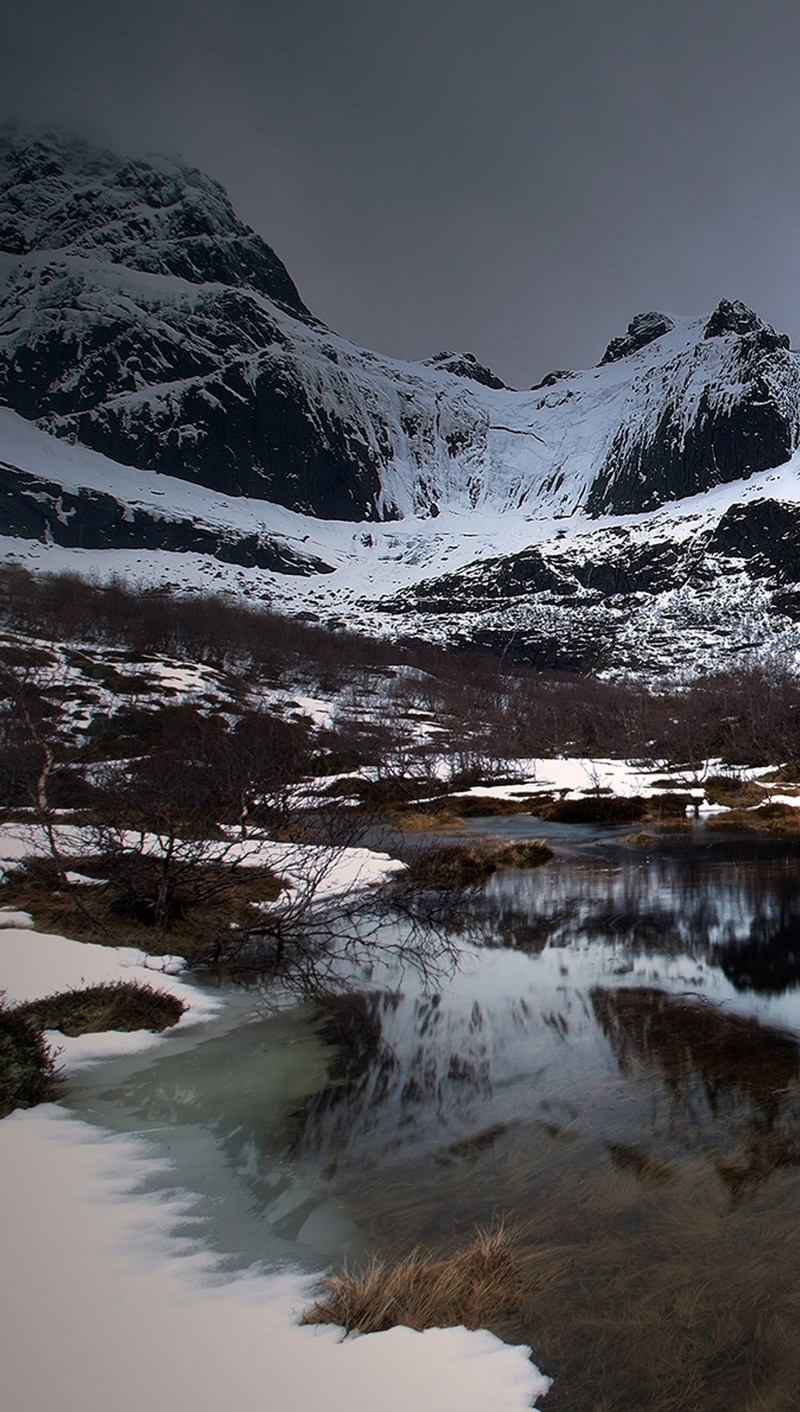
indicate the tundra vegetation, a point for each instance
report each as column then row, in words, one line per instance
column 177, row 733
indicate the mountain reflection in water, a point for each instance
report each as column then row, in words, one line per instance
column 619, row 1074
column 615, row 1070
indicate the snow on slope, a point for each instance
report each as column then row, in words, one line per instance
column 247, row 447
column 370, row 563
column 140, row 316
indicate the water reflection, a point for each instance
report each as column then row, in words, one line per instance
column 742, row 913
column 617, row 1070
column 621, row 1076
column 731, row 1084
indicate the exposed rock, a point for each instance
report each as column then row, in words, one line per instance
column 464, row 365
column 150, row 214
column 550, row 379
column 34, row 508
column 765, row 533
column 732, row 316
column 643, row 329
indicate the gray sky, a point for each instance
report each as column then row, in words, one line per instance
column 513, row 177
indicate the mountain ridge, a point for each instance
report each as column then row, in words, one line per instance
column 143, row 321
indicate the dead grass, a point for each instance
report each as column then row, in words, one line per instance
column 118, row 1005
column 475, row 1286
column 27, row 1072
column 669, row 805
column 523, row 853
column 597, row 809
column 113, row 913
column 417, row 821
column 769, row 818
column 478, row 806
column 733, row 792
column 448, row 867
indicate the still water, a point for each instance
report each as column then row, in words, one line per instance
column 615, row 1069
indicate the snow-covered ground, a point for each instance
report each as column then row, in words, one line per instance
column 105, row 1305
column 575, row 777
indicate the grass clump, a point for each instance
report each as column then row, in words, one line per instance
column 596, row 809
column 669, row 805
column 480, row 806
column 418, row 821
column 474, row 1286
column 448, row 867
column 732, row 791
column 117, row 1005
column 27, row 1072
column 523, row 853
column 770, row 818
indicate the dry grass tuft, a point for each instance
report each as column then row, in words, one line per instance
column 417, row 821
column 115, row 1005
column 524, row 853
column 449, row 866
column 597, row 809
column 475, row 1286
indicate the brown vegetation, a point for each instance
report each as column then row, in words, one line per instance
column 476, row 1286
column 118, row 1005
column 596, row 809
column 448, row 867
column 27, row 1072
column 184, row 903
column 522, row 853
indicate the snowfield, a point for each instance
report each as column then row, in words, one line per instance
column 715, row 611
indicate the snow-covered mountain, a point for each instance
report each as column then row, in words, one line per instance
column 186, row 403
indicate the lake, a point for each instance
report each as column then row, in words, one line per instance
column 613, row 1067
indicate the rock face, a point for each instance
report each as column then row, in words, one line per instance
column 32, row 507
column 727, row 409
column 643, row 329
column 464, row 365
column 156, row 215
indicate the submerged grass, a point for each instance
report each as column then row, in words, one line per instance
column 475, row 1286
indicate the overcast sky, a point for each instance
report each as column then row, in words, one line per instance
column 513, row 177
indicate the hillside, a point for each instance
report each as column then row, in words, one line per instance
column 173, row 412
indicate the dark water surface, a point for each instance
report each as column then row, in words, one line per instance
column 617, row 1072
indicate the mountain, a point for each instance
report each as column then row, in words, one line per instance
column 185, row 403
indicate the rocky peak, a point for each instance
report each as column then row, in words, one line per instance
column 732, row 316
column 154, row 214
column 643, row 329
column 464, row 365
